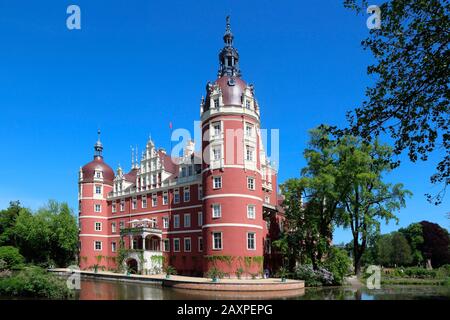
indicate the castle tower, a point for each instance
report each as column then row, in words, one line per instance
column 95, row 182
column 231, row 169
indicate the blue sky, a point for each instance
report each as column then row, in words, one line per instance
column 136, row 65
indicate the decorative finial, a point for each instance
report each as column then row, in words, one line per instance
column 98, row 147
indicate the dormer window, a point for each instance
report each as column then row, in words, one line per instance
column 216, row 103
column 248, row 104
column 98, row 174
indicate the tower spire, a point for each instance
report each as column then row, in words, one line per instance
column 229, row 56
column 98, row 147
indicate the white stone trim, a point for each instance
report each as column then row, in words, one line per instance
column 92, row 217
column 178, row 232
column 154, row 211
column 98, row 235
column 235, row 195
column 245, row 225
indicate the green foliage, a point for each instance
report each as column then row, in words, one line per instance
column 34, row 282
column 50, row 236
column 215, row 273
column 239, row 272
column 393, row 250
column 313, row 277
column 414, row 234
column 339, row 264
column 11, row 257
column 170, row 270
column 409, row 100
column 436, row 243
column 7, row 221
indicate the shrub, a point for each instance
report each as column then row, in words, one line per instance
column 214, row 273
column 314, row 278
column 34, row 282
column 170, row 270
column 239, row 272
column 12, row 258
column 339, row 264
column 418, row 272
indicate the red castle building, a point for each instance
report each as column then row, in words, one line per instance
column 218, row 208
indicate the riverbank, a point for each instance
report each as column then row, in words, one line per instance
column 194, row 283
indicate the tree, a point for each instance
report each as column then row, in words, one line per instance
column 7, row 220
column 414, row 235
column 436, row 243
column 410, row 98
column 369, row 199
column 11, row 257
column 384, row 250
column 401, row 251
column 50, row 236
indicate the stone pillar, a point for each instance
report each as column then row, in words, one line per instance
column 143, row 243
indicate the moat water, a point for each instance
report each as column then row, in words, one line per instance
column 95, row 289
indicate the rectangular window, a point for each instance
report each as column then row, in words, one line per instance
column 247, row 104
column 98, row 189
column 165, row 222
column 98, row 208
column 200, row 219
column 176, row 245
column 122, row 205
column 144, row 202
column 216, row 153
column 183, row 172
column 249, row 130
column 134, row 203
column 249, row 153
column 97, row 245
column 113, row 247
column 251, row 183
column 187, row 220
column 187, row 244
column 176, row 196
column 113, row 207
column 176, row 221
column 217, row 182
column 217, row 240
column 251, row 212
column 166, row 245
column 190, row 170
column 200, row 192
column 216, row 103
column 251, row 239
column 121, row 225
column 113, row 227
column 216, row 210
column 187, row 194
column 165, row 198
column 200, row 244
column 154, row 200
column 267, row 199
column 98, row 226
column 98, row 174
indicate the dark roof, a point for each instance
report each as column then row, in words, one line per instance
column 88, row 171
column 232, row 90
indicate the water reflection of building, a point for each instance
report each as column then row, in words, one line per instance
column 195, row 208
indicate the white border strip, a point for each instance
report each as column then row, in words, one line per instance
column 232, row 225
column 235, row 195
column 99, row 235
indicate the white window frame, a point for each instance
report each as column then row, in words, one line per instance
column 200, row 192
column 214, row 243
column 200, row 218
column 113, row 246
column 188, row 217
column 190, row 244
column 121, row 224
column 176, row 194
column 122, row 205
column 214, row 182
column 174, row 246
column 113, row 227
column 165, row 198
column 200, row 247
column 249, row 153
column 114, row 207
column 134, row 203
column 98, row 187
column 249, row 129
column 176, row 218
column 144, row 202
column 99, row 206
column 251, row 216
column 165, row 222
column 95, row 245
column 166, row 245
column 215, row 205
column 186, row 191
column 254, row 241
column 251, row 186
column 97, row 223
column 154, row 199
